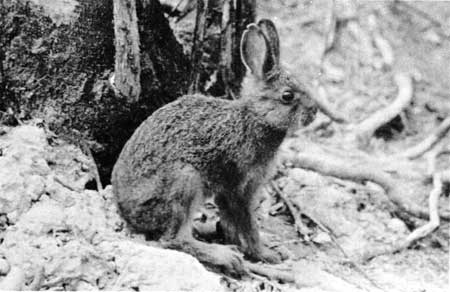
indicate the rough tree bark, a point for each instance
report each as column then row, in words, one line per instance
column 127, row 69
column 217, row 66
column 59, row 67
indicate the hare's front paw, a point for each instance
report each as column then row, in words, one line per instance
column 229, row 260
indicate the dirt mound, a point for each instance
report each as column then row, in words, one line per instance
column 55, row 234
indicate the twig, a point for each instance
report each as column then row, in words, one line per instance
column 405, row 92
column 300, row 227
column 65, row 184
column 93, row 167
column 429, row 142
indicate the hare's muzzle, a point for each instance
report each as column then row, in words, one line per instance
column 308, row 114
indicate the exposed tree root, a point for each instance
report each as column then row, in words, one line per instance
column 425, row 230
column 429, row 142
column 405, row 92
column 361, row 172
column 432, row 156
column 322, row 102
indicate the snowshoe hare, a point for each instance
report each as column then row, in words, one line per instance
column 198, row 147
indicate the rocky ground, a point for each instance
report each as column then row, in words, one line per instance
column 60, row 236
column 57, row 232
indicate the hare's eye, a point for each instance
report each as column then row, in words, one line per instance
column 287, row 96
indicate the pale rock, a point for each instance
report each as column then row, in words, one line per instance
column 12, row 189
column 35, row 186
column 149, row 268
column 42, row 218
column 4, row 266
column 397, row 225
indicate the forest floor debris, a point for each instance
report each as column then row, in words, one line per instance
column 57, row 234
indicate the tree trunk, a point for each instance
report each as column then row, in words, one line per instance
column 127, row 69
column 217, row 67
column 58, row 64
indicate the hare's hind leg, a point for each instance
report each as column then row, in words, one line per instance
column 187, row 193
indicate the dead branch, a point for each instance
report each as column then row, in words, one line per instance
column 405, row 92
column 270, row 272
column 14, row 280
column 300, row 227
column 429, row 142
column 361, row 172
column 433, row 204
column 425, row 230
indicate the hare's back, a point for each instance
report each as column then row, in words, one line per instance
column 174, row 132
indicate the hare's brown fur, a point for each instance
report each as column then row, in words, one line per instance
column 201, row 147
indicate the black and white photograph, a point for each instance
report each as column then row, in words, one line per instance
column 225, row 145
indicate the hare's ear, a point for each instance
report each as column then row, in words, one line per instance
column 255, row 51
column 270, row 32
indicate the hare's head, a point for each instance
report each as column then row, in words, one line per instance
column 269, row 90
